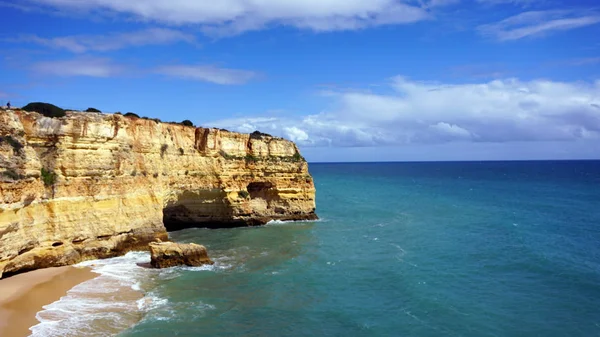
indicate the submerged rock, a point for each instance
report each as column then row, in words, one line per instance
column 170, row 254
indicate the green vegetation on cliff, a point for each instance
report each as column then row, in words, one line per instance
column 46, row 109
column 48, row 177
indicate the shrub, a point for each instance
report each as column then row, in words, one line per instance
column 181, row 152
column 46, row 109
column 297, row 156
column 48, row 177
column 244, row 194
column 251, row 158
column 163, row 149
column 187, row 122
column 225, row 155
column 156, row 120
column 131, row 114
column 92, row 110
column 259, row 135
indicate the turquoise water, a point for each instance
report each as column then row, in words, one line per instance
column 403, row 249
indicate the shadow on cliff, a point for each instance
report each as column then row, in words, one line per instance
column 214, row 210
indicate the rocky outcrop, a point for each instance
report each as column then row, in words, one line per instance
column 170, row 254
column 93, row 185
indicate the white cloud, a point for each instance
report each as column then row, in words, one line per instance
column 235, row 16
column 440, row 3
column 524, row 3
column 583, row 61
column 296, row 135
column 105, row 67
column 208, row 73
column 89, row 67
column 114, row 41
column 451, row 130
column 536, row 23
column 506, row 110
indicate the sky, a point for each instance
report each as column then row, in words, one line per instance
column 347, row 80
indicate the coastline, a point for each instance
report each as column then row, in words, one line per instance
column 23, row 296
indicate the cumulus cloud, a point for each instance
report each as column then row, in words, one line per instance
column 506, row 110
column 88, row 67
column 235, row 16
column 207, row 73
column 108, row 42
column 537, row 23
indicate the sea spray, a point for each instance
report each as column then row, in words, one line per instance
column 119, row 297
column 102, row 306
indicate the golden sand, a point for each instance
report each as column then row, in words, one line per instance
column 23, row 295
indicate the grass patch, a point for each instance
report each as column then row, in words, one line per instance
column 226, row 155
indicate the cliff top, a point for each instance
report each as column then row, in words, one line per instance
column 51, row 111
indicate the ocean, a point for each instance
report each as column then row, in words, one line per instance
column 402, row 249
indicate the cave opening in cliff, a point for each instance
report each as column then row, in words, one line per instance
column 208, row 208
column 259, row 189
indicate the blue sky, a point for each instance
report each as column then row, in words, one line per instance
column 348, row 80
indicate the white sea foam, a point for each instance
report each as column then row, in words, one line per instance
column 111, row 302
column 282, row 222
column 151, row 302
column 102, row 306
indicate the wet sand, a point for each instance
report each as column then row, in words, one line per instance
column 23, row 295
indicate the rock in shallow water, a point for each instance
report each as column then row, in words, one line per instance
column 170, row 254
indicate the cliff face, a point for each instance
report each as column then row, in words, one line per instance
column 90, row 185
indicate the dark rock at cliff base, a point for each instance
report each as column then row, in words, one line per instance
column 170, row 254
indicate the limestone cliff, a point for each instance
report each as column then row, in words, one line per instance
column 93, row 185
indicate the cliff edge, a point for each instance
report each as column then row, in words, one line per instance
column 92, row 185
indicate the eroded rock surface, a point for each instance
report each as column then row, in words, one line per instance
column 170, row 254
column 93, row 185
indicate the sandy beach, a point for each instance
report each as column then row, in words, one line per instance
column 23, row 295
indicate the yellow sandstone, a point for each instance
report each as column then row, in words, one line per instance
column 93, row 185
